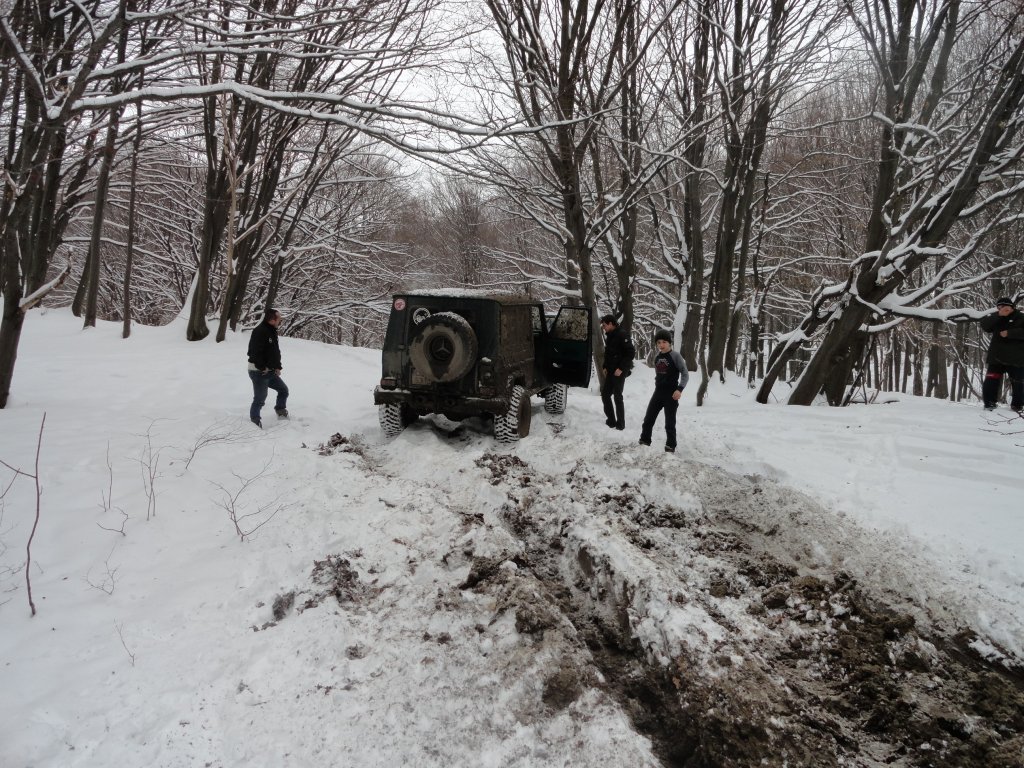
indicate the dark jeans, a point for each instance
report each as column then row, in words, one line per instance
column 661, row 400
column 261, row 382
column 611, row 391
column 990, row 388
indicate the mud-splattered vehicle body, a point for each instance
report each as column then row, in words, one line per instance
column 464, row 354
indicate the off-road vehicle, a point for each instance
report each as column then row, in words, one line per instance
column 465, row 353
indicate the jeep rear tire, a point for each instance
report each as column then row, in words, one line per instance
column 394, row 418
column 515, row 422
column 555, row 397
column 444, row 348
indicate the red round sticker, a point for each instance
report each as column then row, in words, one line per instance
column 399, row 304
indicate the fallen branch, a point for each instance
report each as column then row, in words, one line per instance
column 40, row 293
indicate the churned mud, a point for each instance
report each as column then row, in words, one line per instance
column 725, row 641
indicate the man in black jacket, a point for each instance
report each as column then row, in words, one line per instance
column 618, row 363
column 265, row 368
column 1005, row 354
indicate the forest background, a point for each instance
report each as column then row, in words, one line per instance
column 826, row 193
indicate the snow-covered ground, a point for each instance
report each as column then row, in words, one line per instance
column 938, row 481
column 313, row 595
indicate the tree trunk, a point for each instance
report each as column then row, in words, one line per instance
column 10, row 333
column 229, row 255
column 629, row 171
column 214, row 213
column 954, row 383
column 762, row 345
column 918, row 370
column 229, row 300
column 908, row 363
column 897, row 357
column 832, row 361
column 99, row 214
column 692, row 212
column 846, row 361
column 240, row 287
column 126, row 307
column 754, row 355
column 743, row 159
column 214, row 223
column 958, row 388
column 719, row 306
column 732, row 345
column 78, row 303
column 937, row 374
column 275, row 281
column 577, row 250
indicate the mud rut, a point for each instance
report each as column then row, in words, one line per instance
column 810, row 669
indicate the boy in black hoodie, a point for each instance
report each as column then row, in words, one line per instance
column 670, row 377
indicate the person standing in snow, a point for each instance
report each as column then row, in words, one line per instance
column 618, row 363
column 670, row 377
column 265, row 368
column 1005, row 354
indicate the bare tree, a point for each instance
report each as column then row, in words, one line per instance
column 677, row 205
column 951, row 86
column 53, row 56
column 461, row 233
column 572, row 73
column 88, row 290
column 355, row 53
column 344, row 59
column 763, row 51
column 551, row 48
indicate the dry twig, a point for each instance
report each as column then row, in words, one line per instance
column 149, row 461
column 226, row 432
column 232, row 504
column 105, row 499
column 120, row 634
column 109, row 580
column 35, row 523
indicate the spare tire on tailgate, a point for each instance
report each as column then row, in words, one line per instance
column 444, row 348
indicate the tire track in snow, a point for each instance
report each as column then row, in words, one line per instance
column 729, row 629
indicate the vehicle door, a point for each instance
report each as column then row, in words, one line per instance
column 568, row 352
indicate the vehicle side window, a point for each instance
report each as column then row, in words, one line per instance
column 537, row 320
column 572, row 323
column 516, row 342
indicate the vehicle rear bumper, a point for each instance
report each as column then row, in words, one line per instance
column 425, row 401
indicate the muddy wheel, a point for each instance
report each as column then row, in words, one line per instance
column 444, row 347
column 515, row 422
column 555, row 397
column 394, row 418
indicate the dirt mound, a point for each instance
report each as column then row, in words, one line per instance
column 725, row 650
column 335, row 577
